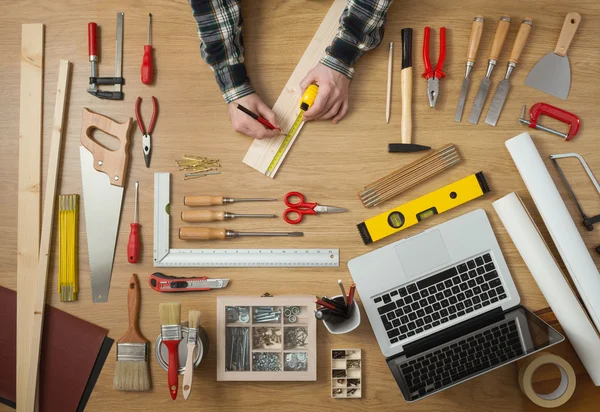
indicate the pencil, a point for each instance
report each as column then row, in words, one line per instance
column 351, row 294
column 258, row 118
column 389, row 84
column 343, row 291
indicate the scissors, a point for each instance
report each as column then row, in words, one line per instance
column 302, row 207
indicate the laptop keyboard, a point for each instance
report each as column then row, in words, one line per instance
column 462, row 359
column 437, row 299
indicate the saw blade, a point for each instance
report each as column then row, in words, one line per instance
column 102, row 209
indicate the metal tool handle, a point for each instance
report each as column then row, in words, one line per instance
column 112, row 162
column 203, row 200
column 202, row 233
column 500, row 37
column 521, row 40
column 92, row 43
column 202, row 216
column 475, row 39
column 406, row 81
column 567, row 33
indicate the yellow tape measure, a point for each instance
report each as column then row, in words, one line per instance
column 308, row 98
column 411, row 213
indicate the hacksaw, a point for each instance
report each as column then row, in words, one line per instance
column 103, row 174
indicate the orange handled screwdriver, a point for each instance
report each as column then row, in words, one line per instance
column 147, row 68
column 133, row 246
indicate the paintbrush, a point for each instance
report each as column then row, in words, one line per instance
column 170, row 317
column 192, row 339
column 132, row 372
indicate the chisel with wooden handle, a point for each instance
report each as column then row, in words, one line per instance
column 504, row 86
column 204, row 233
column 218, row 200
column 474, row 40
column 484, row 88
column 203, row 216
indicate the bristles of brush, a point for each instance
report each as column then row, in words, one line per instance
column 170, row 313
column 132, row 376
column 194, row 319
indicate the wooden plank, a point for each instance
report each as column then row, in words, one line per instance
column 36, row 312
column 28, row 220
column 261, row 152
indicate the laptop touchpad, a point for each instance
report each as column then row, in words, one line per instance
column 422, row 253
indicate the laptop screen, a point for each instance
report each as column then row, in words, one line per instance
column 470, row 349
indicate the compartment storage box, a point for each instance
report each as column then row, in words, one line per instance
column 266, row 338
column 346, row 373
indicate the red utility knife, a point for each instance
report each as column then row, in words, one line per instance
column 163, row 283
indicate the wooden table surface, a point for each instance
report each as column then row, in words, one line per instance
column 329, row 163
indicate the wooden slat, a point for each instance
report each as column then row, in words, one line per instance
column 28, row 220
column 36, row 313
column 261, row 152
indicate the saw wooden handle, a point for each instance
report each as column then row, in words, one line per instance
column 203, row 200
column 111, row 162
column 500, row 37
column 202, row 233
column 133, row 334
column 202, row 216
column 521, row 40
column 475, row 39
column 567, row 33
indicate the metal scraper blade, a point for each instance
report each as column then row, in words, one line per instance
column 479, row 101
column 102, row 206
column 552, row 75
column 497, row 103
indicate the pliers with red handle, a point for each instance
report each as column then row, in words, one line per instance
column 146, row 133
column 433, row 76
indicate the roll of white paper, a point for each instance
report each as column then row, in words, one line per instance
column 551, row 281
column 557, row 219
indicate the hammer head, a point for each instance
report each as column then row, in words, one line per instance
column 406, row 148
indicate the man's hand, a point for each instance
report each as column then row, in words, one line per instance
column 332, row 100
column 242, row 123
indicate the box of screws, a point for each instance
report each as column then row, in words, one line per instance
column 346, row 373
column 266, row 338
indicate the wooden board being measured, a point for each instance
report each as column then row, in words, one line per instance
column 261, row 152
column 28, row 220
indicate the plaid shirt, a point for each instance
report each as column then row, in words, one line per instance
column 221, row 44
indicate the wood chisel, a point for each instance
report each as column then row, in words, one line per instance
column 474, row 40
column 219, row 200
column 203, row 216
column 484, row 88
column 552, row 74
column 163, row 283
column 204, row 233
column 504, row 86
column 103, row 174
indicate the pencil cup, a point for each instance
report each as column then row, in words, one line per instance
column 347, row 325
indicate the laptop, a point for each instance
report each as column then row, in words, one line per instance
column 444, row 307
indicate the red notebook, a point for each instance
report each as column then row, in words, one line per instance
column 73, row 353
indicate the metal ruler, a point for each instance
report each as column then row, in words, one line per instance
column 284, row 147
column 164, row 256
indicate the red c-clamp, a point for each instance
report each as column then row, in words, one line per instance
column 556, row 113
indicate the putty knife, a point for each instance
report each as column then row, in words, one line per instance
column 552, row 74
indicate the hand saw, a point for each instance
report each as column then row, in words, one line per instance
column 103, row 173
column 163, row 283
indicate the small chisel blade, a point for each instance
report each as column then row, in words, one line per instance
column 461, row 101
column 497, row 103
column 479, row 101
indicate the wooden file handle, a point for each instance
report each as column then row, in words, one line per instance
column 202, row 233
column 475, row 39
column 112, row 162
column 567, row 33
column 203, row 200
column 500, row 37
column 521, row 40
column 133, row 334
column 202, row 216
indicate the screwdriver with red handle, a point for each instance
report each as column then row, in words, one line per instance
column 133, row 246
column 147, row 67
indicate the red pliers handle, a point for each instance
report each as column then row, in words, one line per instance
column 438, row 73
column 138, row 115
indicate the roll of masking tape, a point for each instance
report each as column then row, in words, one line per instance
column 567, row 380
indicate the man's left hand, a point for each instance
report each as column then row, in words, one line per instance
column 332, row 100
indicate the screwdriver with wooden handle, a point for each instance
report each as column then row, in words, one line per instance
column 204, row 233
column 218, row 200
column 203, row 216
column 133, row 246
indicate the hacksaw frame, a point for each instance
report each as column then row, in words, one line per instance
column 262, row 152
column 164, row 256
